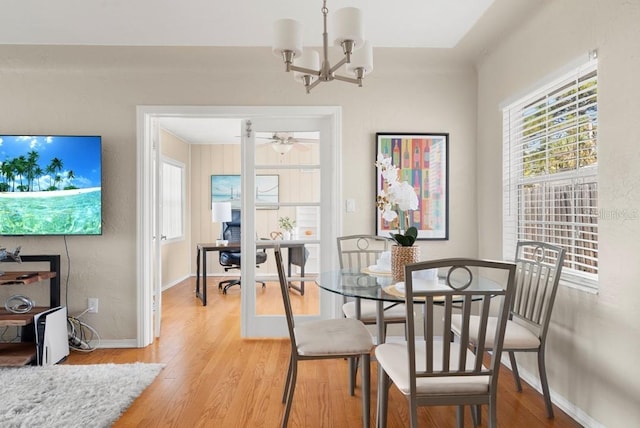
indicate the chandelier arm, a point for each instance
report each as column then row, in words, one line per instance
column 314, row 84
column 304, row 70
column 340, row 63
column 348, row 79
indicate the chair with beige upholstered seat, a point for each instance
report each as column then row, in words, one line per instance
column 323, row 339
column 430, row 369
column 539, row 266
column 357, row 252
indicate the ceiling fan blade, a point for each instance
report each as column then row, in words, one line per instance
column 305, row 140
column 301, row 147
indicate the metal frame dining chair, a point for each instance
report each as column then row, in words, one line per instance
column 430, row 369
column 539, row 266
column 323, row 339
column 355, row 253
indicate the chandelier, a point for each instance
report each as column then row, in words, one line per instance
column 348, row 28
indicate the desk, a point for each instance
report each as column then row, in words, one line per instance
column 371, row 287
column 296, row 256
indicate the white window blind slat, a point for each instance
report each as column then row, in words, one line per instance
column 550, row 171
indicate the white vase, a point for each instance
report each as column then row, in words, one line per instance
column 286, row 235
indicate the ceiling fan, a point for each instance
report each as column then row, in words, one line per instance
column 283, row 142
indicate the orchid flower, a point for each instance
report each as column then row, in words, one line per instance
column 396, row 200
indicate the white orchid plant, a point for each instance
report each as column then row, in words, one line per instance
column 395, row 201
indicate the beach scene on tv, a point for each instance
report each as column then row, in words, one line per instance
column 50, row 185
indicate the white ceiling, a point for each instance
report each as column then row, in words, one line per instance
column 392, row 24
column 397, row 23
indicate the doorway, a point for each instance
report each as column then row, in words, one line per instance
column 149, row 264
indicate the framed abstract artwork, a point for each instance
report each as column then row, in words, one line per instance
column 227, row 188
column 422, row 160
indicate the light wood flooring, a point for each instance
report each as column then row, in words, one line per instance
column 213, row 378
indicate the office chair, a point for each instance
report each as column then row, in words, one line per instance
column 231, row 259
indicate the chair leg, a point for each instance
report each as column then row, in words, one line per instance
column 476, row 415
column 544, row 383
column 413, row 413
column 287, row 383
column 514, row 369
column 366, row 390
column 383, row 396
column 292, row 388
column 228, row 284
column 460, row 416
column 493, row 414
column 353, row 372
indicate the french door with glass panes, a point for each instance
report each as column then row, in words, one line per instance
column 288, row 172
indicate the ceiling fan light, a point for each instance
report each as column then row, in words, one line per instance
column 348, row 25
column 287, row 37
column 362, row 58
column 281, row 148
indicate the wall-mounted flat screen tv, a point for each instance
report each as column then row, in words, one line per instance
column 50, row 185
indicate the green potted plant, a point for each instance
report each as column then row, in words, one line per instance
column 287, row 225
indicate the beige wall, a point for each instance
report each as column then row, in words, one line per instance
column 95, row 90
column 176, row 260
column 593, row 342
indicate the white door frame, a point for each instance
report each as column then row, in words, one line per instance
column 144, row 228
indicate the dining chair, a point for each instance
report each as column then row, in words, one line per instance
column 355, row 253
column 430, row 369
column 358, row 252
column 539, row 266
column 323, row 339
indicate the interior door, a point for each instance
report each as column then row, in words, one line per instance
column 307, row 192
column 156, row 257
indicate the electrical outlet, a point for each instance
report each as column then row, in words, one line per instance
column 92, row 304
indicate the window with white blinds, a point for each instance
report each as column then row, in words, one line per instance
column 172, row 200
column 550, row 177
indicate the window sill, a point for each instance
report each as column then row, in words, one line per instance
column 587, row 286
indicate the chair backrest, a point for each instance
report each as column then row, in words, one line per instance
column 286, row 298
column 539, row 266
column 359, row 251
column 231, row 229
column 467, row 284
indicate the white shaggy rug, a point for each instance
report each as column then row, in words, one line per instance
column 70, row 395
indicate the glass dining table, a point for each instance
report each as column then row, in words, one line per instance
column 381, row 288
column 363, row 285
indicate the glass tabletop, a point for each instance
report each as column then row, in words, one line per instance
column 366, row 285
column 358, row 284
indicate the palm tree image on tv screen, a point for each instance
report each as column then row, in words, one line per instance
column 50, row 185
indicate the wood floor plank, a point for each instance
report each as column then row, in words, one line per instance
column 213, row 378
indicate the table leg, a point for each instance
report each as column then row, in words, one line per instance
column 301, row 288
column 380, row 321
column 198, row 273
column 204, row 278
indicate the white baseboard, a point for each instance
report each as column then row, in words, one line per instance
column 568, row 407
column 124, row 343
column 174, row 283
